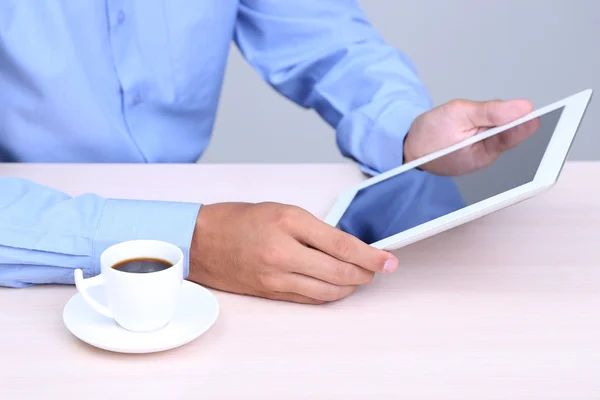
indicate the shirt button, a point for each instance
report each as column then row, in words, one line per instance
column 136, row 99
column 120, row 17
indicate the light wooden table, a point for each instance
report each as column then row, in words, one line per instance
column 506, row 307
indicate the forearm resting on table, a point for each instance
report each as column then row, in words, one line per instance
column 46, row 234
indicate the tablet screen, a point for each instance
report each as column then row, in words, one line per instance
column 414, row 197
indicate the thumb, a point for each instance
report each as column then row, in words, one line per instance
column 496, row 112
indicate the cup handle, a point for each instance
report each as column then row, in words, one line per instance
column 83, row 285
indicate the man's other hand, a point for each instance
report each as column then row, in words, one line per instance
column 458, row 120
column 280, row 252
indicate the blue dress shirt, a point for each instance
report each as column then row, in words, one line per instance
column 139, row 81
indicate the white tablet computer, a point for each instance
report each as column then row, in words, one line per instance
column 407, row 204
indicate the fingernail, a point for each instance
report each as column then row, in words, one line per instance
column 390, row 265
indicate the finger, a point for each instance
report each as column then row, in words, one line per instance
column 343, row 246
column 517, row 135
column 316, row 289
column 316, row 264
column 511, row 138
column 292, row 297
column 495, row 112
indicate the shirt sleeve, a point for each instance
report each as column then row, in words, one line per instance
column 46, row 234
column 326, row 56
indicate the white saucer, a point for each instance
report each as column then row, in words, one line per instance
column 197, row 312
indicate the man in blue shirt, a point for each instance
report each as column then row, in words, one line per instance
column 138, row 82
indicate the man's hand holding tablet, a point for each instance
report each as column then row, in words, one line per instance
column 280, row 252
column 458, row 120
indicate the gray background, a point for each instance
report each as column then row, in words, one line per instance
column 474, row 49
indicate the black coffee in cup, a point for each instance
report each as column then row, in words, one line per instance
column 142, row 265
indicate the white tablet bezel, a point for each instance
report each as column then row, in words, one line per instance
column 547, row 174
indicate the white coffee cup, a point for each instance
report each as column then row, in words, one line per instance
column 138, row 302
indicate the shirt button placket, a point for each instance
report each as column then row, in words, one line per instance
column 126, row 73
